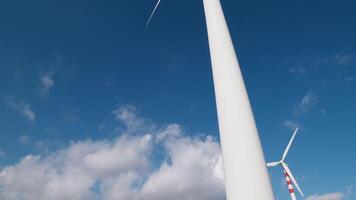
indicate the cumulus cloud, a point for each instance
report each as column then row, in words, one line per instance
column 164, row 163
column 193, row 172
column 307, row 102
column 24, row 108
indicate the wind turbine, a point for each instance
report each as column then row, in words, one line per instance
column 287, row 172
column 244, row 161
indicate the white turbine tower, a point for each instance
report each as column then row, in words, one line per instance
column 287, row 172
column 244, row 162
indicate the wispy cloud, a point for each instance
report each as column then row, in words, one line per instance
column 329, row 196
column 349, row 79
column 319, row 70
column 332, row 196
column 307, row 103
column 47, row 83
column 24, row 140
column 2, row 153
column 24, row 108
column 71, row 116
column 340, row 59
column 127, row 115
column 316, row 74
column 343, row 59
column 47, row 77
column 125, row 167
column 349, row 190
column 291, row 124
column 298, row 70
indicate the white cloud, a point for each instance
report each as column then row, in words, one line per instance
column 28, row 112
column 291, row 124
column 124, row 155
column 24, row 109
column 47, row 83
column 329, row 196
column 127, row 115
column 308, row 101
column 193, row 172
column 162, row 164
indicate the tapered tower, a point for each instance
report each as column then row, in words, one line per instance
column 246, row 175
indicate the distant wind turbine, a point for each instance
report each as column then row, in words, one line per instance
column 287, row 172
column 244, row 161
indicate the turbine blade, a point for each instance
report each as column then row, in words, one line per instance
column 289, row 145
column 153, row 12
column 286, row 168
column 273, row 164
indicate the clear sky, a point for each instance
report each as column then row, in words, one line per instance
column 90, row 77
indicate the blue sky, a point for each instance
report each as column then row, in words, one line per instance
column 67, row 66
